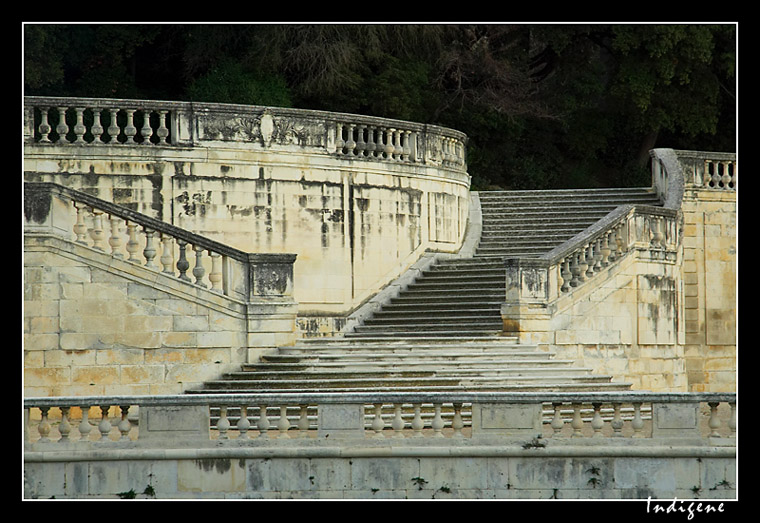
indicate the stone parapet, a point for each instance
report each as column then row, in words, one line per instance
column 364, row 446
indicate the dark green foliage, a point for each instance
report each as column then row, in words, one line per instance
column 544, row 106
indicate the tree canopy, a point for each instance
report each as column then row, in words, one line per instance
column 544, row 106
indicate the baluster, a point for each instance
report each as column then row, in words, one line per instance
column 215, row 276
column 398, row 422
column 597, row 423
column 64, row 427
column 146, row 130
column 726, row 178
column 113, row 127
column 458, row 424
column 182, row 263
column 566, row 274
column 80, row 228
column 361, row 145
column 377, row 422
column 388, row 149
column 133, row 246
column 617, row 422
column 167, row 258
column 105, row 424
column 62, row 128
column 124, row 425
column 417, row 423
column 150, row 250
column 605, row 261
column 732, row 419
column 657, row 236
column 340, row 143
column 637, row 422
column 283, row 424
column 130, row 131
column 243, row 425
column 79, row 128
column 577, row 422
column 575, row 269
column 199, row 271
column 621, row 237
column 437, row 421
column 97, row 127
column 407, row 153
column 589, row 260
column 583, row 264
column 397, row 149
column 370, row 147
column 163, row 130
column 303, row 422
column 223, row 423
column 557, row 421
column 350, row 143
column 115, row 241
column 84, row 426
column 263, row 424
column 44, row 427
column 96, row 233
column 598, row 255
column 714, row 423
column 44, row 127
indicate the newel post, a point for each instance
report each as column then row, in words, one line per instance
column 527, row 289
column 271, row 308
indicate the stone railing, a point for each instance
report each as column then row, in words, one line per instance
column 673, row 171
column 95, row 121
column 160, row 247
column 536, row 419
column 537, row 282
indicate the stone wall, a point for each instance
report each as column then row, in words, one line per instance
column 704, row 186
column 710, row 290
column 335, row 473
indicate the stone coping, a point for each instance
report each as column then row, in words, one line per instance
column 389, row 397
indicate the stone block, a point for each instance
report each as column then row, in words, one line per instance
column 491, row 419
column 675, row 420
column 340, row 421
column 174, row 423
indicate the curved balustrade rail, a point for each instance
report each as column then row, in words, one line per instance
column 97, row 122
column 672, row 171
column 133, row 237
column 383, row 415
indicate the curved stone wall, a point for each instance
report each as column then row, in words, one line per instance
column 358, row 199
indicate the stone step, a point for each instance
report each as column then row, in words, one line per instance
column 342, row 382
column 423, row 333
column 450, row 371
column 560, row 385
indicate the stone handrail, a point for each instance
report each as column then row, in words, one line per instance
column 136, row 238
column 489, row 416
column 96, row 121
column 568, row 266
column 673, row 171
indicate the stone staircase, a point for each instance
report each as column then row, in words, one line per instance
column 462, row 297
column 443, row 332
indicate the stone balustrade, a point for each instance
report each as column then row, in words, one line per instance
column 157, row 246
column 537, row 419
column 95, row 121
column 673, row 171
column 543, row 280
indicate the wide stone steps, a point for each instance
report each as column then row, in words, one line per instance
column 443, row 332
